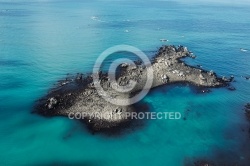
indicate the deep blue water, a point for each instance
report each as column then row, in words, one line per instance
column 40, row 42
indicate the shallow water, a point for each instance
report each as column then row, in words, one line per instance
column 40, row 42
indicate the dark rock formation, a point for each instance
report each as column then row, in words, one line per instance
column 247, row 77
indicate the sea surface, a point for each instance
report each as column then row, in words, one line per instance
column 42, row 41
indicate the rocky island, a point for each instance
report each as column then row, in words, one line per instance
column 80, row 96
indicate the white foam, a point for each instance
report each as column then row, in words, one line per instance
column 243, row 50
column 163, row 40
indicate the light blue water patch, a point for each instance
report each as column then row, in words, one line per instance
column 40, row 42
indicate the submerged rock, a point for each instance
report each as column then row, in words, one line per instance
column 247, row 110
column 204, row 91
column 231, row 88
column 203, row 163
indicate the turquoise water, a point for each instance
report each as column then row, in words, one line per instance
column 40, row 42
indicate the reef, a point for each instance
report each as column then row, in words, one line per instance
column 203, row 163
column 247, row 111
column 78, row 95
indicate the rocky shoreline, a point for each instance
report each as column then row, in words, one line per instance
column 79, row 95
